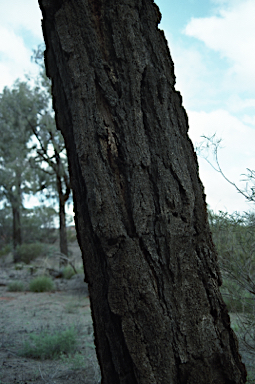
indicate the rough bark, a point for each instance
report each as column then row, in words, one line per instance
column 140, row 207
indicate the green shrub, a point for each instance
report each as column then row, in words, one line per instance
column 5, row 250
column 50, row 346
column 68, row 272
column 41, row 284
column 28, row 252
column 75, row 362
column 16, row 286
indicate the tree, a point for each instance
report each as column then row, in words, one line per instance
column 51, row 154
column 210, row 146
column 233, row 236
column 140, row 209
column 18, row 110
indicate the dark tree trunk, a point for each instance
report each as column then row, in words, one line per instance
column 17, row 240
column 15, row 200
column 16, row 233
column 62, row 228
column 62, row 221
column 139, row 204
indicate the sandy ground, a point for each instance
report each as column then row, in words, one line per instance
column 26, row 313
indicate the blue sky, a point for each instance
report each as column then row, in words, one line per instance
column 212, row 46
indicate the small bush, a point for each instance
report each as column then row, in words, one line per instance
column 41, row 284
column 16, row 286
column 75, row 362
column 68, row 272
column 50, row 346
column 72, row 307
column 5, row 250
column 28, row 252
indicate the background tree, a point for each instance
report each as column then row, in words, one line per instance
column 234, row 236
column 208, row 149
column 140, row 212
column 50, row 150
column 18, row 111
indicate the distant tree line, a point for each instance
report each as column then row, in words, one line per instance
column 32, row 161
column 234, row 238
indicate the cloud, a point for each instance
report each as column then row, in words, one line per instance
column 231, row 33
column 236, row 154
column 193, row 72
column 12, row 65
column 20, row 31
column 21, row 14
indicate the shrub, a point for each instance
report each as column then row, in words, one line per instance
column 38, row 224
column 75, row 362
column 50, row 346
column 41, row 284
column 5, row 250
column 68, row 272
column 72, row 307
column 28, row 252
column 16, row 286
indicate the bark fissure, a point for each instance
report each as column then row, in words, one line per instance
column 140, row 208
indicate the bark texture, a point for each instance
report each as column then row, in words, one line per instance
column 139, row 204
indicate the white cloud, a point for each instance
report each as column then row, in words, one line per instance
column 11, row 44
column 21, row 14
column 192, row 73
column 236, row 154
column 231, row 33
column 16, row 19
column 12, row 65
column 236, row 104
column 249, row 120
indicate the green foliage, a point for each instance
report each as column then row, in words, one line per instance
column 75, row 362
column 5, row 250
column 5, row 226
column 68, row 272
column 50, row 346
column 38, row 224
column 20, row 107
column 234, row 237
column 29, row 252
column 32, row 159
column 41, row 284
column 16, row 286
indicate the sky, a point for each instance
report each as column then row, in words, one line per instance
column 212, row 45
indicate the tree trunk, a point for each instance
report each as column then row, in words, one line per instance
column 17, row 240
column 140, row 207
column 16, row 230
column 62, row 228
column 62, row 221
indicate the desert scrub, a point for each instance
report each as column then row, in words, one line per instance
column 68, row 272
column 41, row 284
column 16, row 286
column 28, row 252
column 5, row 250
column 50, row 345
